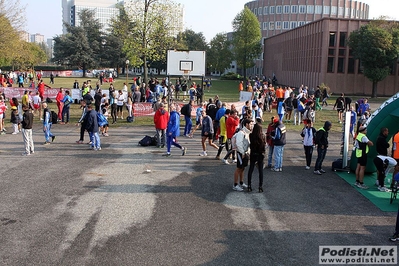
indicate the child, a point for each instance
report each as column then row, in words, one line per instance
column 104, row 110
column 14, row 120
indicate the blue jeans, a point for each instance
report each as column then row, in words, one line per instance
column 270, row 156
column 321, row 154
column 95, row 140
column 47, row 133
column 172, row 141
column 278, row 156
column 65, row 111
column 188, row 126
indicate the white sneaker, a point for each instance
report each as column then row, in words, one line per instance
column 377, row 183
column 238, row 188
column 225, row 161
column 316, row 172
column 383, row 189
column 234, row 161
column 307, row 167
column 244, row 185
column 203, row 153
column 362, row 186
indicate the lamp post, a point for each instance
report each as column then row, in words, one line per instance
column 127, row 70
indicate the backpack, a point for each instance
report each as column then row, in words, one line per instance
column 234, row 140
column 184, row 110
column 54, row 117
column 301, row 107
column 102, row 121
column 148, row 141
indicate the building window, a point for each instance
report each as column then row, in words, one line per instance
column 331, row 52
column 342, row 39
column 302, row 9
column 294, row 9
column 353, row 13
column 347, row 12
column 341, row 11
column 334, row 10
column 330, row 65
column 294, row 24
column 260, row 11
column 332, row 39
column 255, row 11
column 341, row 52
column 301, row 23
column 272, row 9
column 326, row 10
column 341, row 65
column 310, row 9
column 279, row 9
column 286, row 9
column 351, row 65
column 278, row 25
column 358, row 13
column 318, row 9
column 264, row 26
column 286, row 25
column 271, row 25
column 265, row 10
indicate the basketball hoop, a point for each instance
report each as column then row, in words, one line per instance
column 186, row 74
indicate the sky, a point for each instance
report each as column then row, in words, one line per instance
column 207, row 16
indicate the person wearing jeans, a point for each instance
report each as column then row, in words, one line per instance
column 278, row 142
column 92, row 128
column 322, row 145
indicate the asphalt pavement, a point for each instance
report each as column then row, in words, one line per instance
column 129, row 205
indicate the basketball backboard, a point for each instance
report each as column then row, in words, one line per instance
column 180, row 63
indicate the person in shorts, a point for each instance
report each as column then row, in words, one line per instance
column 362, row 144
column 207, row 133
column 242, row 143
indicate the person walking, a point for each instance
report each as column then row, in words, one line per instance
column 278, row 143
column 322, row 145
column 309, row 135
column 362, row 144
column 257, row 154
column 243, row 151
column 223, row 134
column 27, row 125
column 47, row 124
column 92, row 128
column 207, row 133
column 173, row 131
column 82, row 121
column 161, row 119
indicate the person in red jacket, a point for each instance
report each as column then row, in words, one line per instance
column 40, row 89
column 161, row 119
column 232, row 123
column 59, row 98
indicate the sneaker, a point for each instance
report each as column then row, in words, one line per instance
column 46, row 143
column 184, row 150
column 317, row 172
column 217, row 157
column 275, row 169
column 121, row 117
column 14, row 133
column 307, row 167
column 394, row 238
column 166, row 155
column 25, row 154
column 2, row 133
column 322, row 171
column 99, row 148
column 243, row 185
column 90, row 143
column 203, row 153
column 52, row 138
column 238, row 188
column 79, row 142
column 383, row 189
column 280, row 169
column 225, row 161
column 362, row 186
column 234, row 161
column 32, row 152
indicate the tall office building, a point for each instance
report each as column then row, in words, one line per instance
column 278, row 16
column 37, row 38
column 104, row 10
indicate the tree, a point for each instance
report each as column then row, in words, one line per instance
column 151, row 25
column 193, row 41
column 246, row 39
column 220, row 54
column 82, row 45
column 376, row 45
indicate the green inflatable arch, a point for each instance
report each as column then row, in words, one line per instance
column 387, row 115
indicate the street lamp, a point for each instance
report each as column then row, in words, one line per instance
column 127, row 70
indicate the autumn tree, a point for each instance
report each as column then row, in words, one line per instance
column 376, row 45
column 246, row 39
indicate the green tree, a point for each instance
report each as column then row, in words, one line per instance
column 220, row 54
column 151, row 26
column 376, row 45
column 193, row 41
column 82, row 45
column 246, row 39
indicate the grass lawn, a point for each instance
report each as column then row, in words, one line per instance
column 226, row 89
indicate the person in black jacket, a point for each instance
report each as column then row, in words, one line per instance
column 322, row 145
column 91, row 124
column 27, row 124
column 257, row 154
column 382, row 146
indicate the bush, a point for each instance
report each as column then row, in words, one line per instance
column 230, row 76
